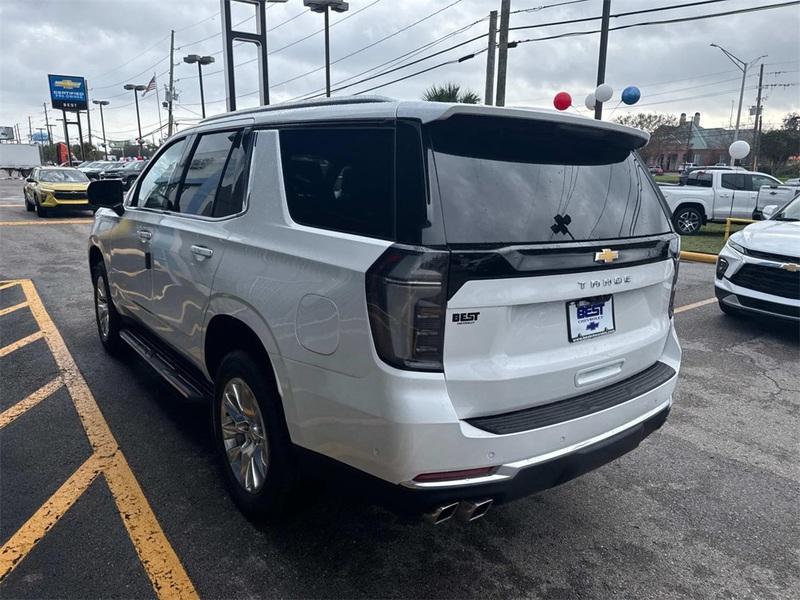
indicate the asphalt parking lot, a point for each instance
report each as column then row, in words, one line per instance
column 705, row 508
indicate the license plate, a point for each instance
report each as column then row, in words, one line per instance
column 590, row 317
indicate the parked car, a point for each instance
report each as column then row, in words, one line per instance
column 656, row 170
column 758, row 270
column 685, row 173
column 714, row 195
column 127, row 172
column 93, row 170
column 776, row 194
column 399, row 291
column 50, row 188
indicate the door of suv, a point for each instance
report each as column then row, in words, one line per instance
column 129, row 241
column 189, row 241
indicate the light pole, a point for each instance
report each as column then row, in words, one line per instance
column 101, row 104
column 137, row 88
column 322, row 6
column 200, row 60
column 743, row 66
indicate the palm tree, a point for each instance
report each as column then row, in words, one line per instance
column 450, row 92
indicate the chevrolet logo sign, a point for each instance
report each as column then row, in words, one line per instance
column 606, row 256
column 791, row 267
column 67, row 84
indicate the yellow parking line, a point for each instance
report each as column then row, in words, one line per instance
column 5, row 350
column 48, row 222
column 4, row 285
column 8, row 415
column 43, row 520
column 162, row 565
column 686, row 307
column 10, row 309
column 6, row 205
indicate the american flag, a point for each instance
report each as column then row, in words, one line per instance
column 150, row 86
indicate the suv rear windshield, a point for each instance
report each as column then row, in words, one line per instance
column 515, row 181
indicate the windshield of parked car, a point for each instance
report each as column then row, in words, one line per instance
column 136, row 165
column 790, row 212
column 515, row 181
column 62, row 176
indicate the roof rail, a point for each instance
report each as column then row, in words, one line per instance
column 335, row 101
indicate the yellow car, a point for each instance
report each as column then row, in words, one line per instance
column 48, row 188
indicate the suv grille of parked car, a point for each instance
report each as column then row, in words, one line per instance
column 70, row 195
column 769, row 280
column 782, row 258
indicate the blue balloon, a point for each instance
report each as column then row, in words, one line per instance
column 631, row 94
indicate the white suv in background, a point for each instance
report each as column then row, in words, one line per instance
column 453, row 305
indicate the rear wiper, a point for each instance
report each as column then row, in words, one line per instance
column 561, row 225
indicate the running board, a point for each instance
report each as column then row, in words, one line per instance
column 187, row 384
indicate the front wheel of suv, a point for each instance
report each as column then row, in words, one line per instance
column 252, row 439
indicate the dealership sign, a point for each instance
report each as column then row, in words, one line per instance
column 7, row 133
column 68, row 93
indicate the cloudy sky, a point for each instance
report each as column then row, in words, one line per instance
column 112, row 42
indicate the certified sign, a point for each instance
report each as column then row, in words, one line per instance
column 67, row 92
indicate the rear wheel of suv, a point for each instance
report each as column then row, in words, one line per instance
column 108, row 320
column 687, row 220
column 252, row 439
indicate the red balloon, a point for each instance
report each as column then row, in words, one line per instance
column 562, row 101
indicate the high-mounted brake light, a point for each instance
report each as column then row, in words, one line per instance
column 406, row 302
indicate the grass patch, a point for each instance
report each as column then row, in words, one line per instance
column 670, row 178
column 711, row 238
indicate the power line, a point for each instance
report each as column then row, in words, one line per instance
column 538, row 8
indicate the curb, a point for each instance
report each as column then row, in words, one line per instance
column 699, row 257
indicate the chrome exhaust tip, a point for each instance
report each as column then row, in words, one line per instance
column 469, row 510
column 440, row 514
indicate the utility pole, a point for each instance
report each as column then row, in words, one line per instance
column 88, row 117
column 687, row 158
column 757, row 125
column 47, row 124
column 601, row 59
column 170, row 92
column 488, row 97
column 502, row 54
column 30, row 130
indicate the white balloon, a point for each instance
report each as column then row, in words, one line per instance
column 739, row 149
column 590, row 101
column 603, row 92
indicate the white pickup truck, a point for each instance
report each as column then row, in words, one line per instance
column 715, row 195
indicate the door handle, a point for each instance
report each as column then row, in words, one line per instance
column 773, row 193
column 144, row 235
column 202, row 252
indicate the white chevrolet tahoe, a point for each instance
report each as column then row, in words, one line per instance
column 450, row 305
column 715, row 195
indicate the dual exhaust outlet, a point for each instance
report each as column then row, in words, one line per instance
column 465, row 511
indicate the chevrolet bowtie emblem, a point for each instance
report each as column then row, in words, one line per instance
column 791, row 267
column 606, row 256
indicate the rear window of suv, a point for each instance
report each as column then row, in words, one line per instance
column 517, row 181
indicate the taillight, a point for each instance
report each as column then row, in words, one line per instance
column 675, row 253
column 406, row 302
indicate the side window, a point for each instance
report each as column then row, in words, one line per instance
column 759, row 180
column 734, row 181
column 340, row 179
column 230, row 194
column 203, row 174
column 158, row 185
column 35, row 174
column 699, row 179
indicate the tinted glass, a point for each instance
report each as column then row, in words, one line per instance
column 509, row 181
column 340, row 179
column 230, row 194
column 158, row 185
column 62, row 176
column 759, row 180
column 734, row 181
column 700, row 180
column 203, row 174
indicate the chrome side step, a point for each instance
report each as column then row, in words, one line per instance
column 178, row 377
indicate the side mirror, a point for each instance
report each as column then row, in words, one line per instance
column 106, row 193
column 29, row 179
column 768, row 211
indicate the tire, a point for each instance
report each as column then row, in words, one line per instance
column 41, row 211
column 263, row 486
column 108, row 320
column 687, row 220
column 28, row 206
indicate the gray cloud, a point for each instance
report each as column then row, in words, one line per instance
column 115, row 42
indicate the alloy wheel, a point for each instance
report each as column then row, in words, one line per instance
column 101, row 302
column 244, row 435
column 688, row 222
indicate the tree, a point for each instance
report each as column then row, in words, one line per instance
column 778, row 145
column 450, row 92
column 662, row 128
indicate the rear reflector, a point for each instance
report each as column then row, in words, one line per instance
column 453, row 475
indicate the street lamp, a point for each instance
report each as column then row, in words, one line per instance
column 743, row 67
column 322, row 6
column 137, row 88
column 101, row 104
column 200, row 60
